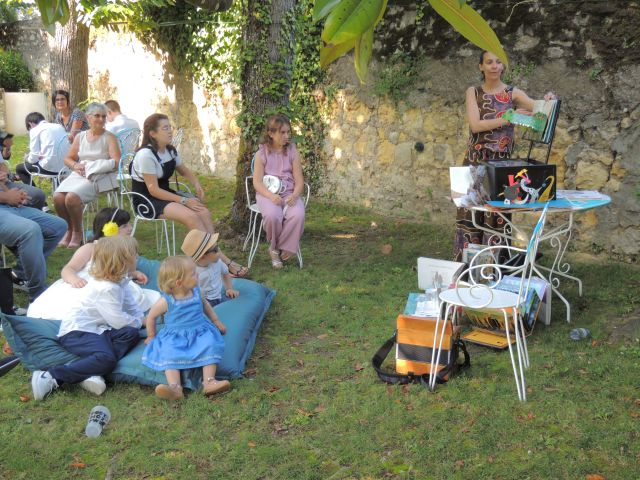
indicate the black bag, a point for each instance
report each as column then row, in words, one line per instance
column 6, row 291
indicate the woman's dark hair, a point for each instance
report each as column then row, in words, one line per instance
column 482, row 60
column 33, row 117
column 60, row 92
column 105, row 215
column 274, row 123
column 151, row 124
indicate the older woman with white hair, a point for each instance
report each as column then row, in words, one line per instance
column 93, row 160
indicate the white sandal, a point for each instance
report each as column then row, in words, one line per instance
column 276, row 262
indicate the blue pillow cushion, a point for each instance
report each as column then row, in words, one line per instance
column 34, row 341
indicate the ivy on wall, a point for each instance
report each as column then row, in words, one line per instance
column 206, row 46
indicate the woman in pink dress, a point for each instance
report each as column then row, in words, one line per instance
column 283, row 212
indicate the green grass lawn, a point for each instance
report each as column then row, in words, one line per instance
column 312, row 407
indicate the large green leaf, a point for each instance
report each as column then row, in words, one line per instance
column 352, row 22
column 322, row 8
column 52, row 11
column 329, row 53
column 470, row 25
column 364, row 49
column 338, row 15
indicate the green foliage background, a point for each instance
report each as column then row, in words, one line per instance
column 14, row 73
column 207, row 45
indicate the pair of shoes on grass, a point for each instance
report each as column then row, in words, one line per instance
column 279, row 257
column 42, row 384
column 174, row 391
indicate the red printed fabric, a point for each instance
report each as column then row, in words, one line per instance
column 491, row 144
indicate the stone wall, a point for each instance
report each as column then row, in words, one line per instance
column 370, row 146
column 143, row 82
column 584, row 51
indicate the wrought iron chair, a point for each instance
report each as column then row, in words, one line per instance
column 128, row 141
column 481, row 291
column 60, row 151
column 145, row 211
column 91, row 208
column 255, row 228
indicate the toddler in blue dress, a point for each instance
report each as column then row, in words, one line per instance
column 192, row 336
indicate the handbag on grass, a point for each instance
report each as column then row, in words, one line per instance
column 413, row 341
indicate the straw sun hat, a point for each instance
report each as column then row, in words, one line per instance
column 197, row 243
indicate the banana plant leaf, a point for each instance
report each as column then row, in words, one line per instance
column 470, row 24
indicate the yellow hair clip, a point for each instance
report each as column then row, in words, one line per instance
column 110, row 229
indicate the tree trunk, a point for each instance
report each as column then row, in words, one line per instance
column 264, row 45
column 68, row 53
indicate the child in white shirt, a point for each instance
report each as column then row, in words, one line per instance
column 103, row 324
column 213, row 274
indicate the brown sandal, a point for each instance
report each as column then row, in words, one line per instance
column 237, row 270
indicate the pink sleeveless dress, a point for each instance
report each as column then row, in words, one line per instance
column 284, row 228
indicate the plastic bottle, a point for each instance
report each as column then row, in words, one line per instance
column 579, row 333
column 98, row 418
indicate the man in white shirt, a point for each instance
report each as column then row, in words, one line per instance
column 116, row 121
column 48, row 145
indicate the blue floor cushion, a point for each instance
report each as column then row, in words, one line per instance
column 34, row 340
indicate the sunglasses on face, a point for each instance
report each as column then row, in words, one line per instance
column 98, row 115
column 212, row 250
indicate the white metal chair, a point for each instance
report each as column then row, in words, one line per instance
column 255, row 228
column 128, row 141
column 91, row 208
column 145, row 211
column 177, row 138
column 481, row 291
column 60, row 151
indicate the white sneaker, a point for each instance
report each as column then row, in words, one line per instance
column 94, row 385
column 42, row 384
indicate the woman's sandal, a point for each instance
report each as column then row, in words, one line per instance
column 286, row 255
column 76, row 240
column 276, row 262
column 237, row 270
column 65, row 240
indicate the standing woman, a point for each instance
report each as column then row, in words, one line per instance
column 95, row 144
column 283, row 212
column 70, row 117
column 490, row 138
column 152, row 168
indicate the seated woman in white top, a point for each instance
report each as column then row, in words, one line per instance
column 88, row 148
column 152, row 168
column 56, row 302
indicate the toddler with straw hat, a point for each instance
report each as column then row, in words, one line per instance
column 213, row 274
